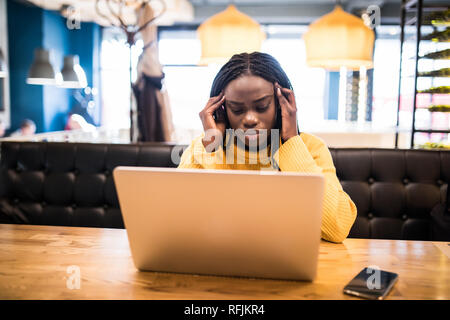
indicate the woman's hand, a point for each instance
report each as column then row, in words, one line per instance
column 214, row 128
column 288, row 112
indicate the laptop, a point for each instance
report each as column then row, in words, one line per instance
column 257, row 224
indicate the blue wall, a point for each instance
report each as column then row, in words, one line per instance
column 86, row 43
column 331, row 96
column 30, row 27
column 56, row 102
column 26, row 100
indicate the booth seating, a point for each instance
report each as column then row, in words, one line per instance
column 71, row 184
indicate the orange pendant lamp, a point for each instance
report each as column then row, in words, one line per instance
column 227, row 33
column 339, row 39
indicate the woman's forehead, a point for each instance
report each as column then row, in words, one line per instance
column 248, row 88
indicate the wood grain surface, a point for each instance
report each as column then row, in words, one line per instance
column 34, row 262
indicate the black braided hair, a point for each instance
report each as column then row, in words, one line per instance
column 257, row 64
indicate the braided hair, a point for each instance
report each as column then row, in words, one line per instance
column 256, row 63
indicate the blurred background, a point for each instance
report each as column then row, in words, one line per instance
column 366, row 73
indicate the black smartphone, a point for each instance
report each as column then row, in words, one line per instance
column 371, row 283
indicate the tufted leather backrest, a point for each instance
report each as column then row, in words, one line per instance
column 71, row 184
column 394, row 190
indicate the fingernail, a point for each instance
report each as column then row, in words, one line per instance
column 278, row 90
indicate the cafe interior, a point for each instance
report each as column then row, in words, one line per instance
column 87, row 86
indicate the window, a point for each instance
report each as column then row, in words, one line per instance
column 115, row 77
column 192, row 83
column 189, row 85
column 386, row 61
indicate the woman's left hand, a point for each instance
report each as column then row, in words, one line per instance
column 288, row 112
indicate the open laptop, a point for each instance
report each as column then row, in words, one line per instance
column 259, row 224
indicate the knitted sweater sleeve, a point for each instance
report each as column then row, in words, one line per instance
column 339, row 211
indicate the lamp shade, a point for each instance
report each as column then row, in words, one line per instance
column 339, row 39
column 73, row 75
column 3, row 69
column 41, row 71
column 227, row 33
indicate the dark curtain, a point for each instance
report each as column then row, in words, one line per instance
column 148, row 108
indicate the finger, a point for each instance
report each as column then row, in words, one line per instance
column 211, row 108
column 284, row 91
column 216, row 98
column 286, row 107
column 290, row 95
column 213, row 105
column 281, row 98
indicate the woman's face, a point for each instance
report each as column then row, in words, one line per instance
column 250, row 104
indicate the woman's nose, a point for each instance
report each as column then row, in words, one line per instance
column 250, row 120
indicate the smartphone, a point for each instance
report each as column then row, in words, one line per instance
column 371, row 283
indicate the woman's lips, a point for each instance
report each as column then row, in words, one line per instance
column 252, row 135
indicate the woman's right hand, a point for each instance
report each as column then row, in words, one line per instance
column 214, row 128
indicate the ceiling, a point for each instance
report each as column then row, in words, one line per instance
column 101, row 11
column 298, row 11
column 264, row 11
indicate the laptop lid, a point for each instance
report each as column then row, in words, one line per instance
column 263, row 224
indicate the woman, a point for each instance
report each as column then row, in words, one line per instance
column 252, row 95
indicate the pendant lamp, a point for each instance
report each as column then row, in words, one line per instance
column 339, row 39
column 42, row 71
column 3, row 69
column 72, row 74
column 227, row 33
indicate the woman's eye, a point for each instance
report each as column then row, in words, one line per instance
column 236, row 111
column 262, row 109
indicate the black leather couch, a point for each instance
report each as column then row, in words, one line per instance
column 71, row 184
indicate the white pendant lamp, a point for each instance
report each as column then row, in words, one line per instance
column 339, row 39
column 227, row 33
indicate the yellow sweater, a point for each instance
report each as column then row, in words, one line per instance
column 302, row 153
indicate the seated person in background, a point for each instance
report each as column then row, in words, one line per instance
column 252, row 95
column 77, row 122
column 27, row 128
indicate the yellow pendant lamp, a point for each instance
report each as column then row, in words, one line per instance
column 227, row 33
column 339, row 39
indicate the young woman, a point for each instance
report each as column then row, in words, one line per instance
column 250, row 123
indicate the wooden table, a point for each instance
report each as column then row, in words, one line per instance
column 35, row 264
